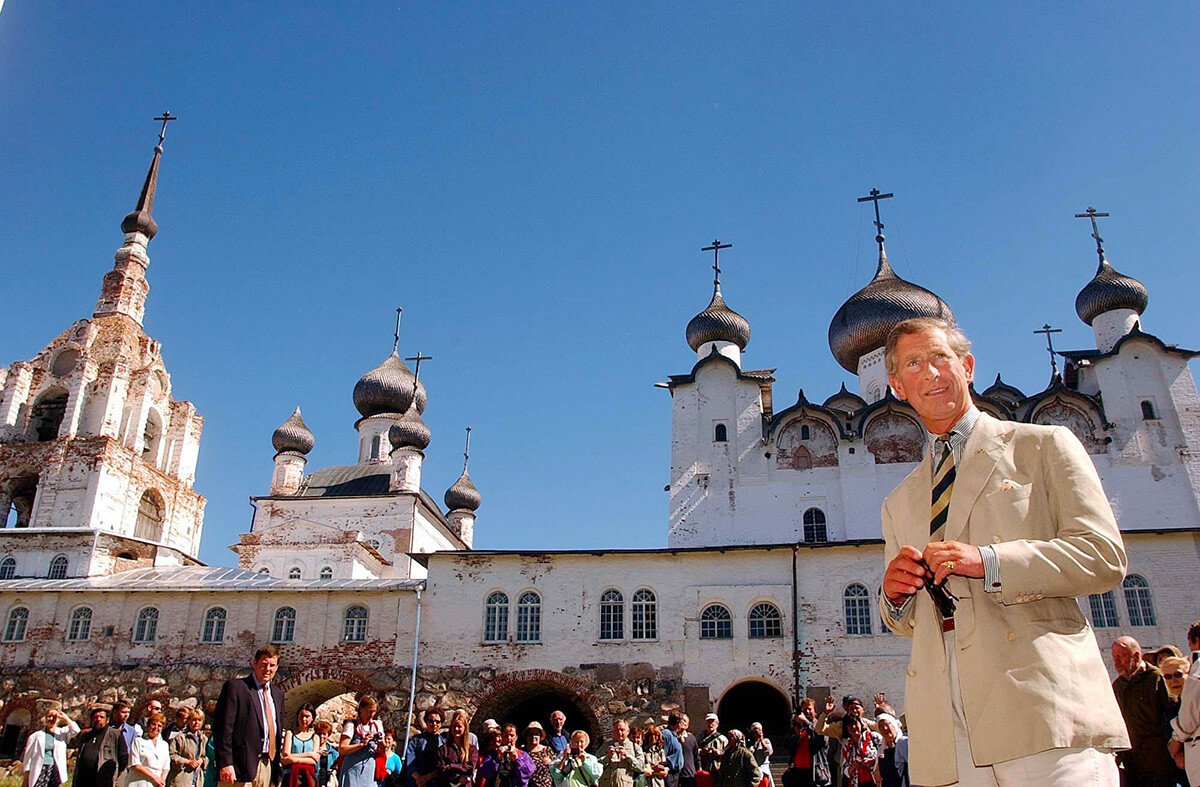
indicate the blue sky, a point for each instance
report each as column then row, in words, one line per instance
column 532, row 182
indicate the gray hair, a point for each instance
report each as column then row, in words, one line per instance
column 956, row 338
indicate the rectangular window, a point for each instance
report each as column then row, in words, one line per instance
column 612, row 620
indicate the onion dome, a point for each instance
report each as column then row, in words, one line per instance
column 863, row 322
column 462, row 494
column 409, row 432
column 293, row 435
column 388, row 388
column 1109, row 290
column 718, row 323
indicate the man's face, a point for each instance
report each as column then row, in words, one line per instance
column 684, row 723
column 433, row 723
column 1125, row 659
column 620, row 732
column 710, row 725
column 932, row 378
column 99, row 719
column 181, row 719
column 558, row 720
column 121, row 715
column 856, row 709
column 154, row 707
column 265, row 667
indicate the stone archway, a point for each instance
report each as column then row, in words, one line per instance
column 17, row 719
column 756, row 699
column 531, row 695
column 316, row 685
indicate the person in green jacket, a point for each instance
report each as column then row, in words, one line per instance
column 577, row 768
column 738, row 766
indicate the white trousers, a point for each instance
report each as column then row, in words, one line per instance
column 1053, row 768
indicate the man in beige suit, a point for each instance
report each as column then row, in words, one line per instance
column 1009, row 686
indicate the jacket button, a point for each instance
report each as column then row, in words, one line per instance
column 995, row 539
column 1011, row 636
column 911, row 673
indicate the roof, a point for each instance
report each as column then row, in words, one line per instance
column 1136, row 333
column 202, row 578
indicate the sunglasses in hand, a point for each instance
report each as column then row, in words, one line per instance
column 943, row 599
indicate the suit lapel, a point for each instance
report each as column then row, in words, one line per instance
column 255, row 703
column 983, row 450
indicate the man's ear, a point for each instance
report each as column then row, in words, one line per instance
column 897, row 386
column 969, row 365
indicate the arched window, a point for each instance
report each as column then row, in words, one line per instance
column 146, row 628
column 1104, row 610
column 612, row 615
column 529, row 617
column 8, row 568
column 58, row 568
column 46, row 416
column 765, row 621
column 858, row 609
column 264, row 571
column 720, row 434
column 81, row 624
column 284, row 629
column 644, row 614
column 1138, row 601
column 327, row 572
column 495, row 618
column 376, row 445
column 152, row 438
column 1148, row 413
column 355, row 629
column 24, row 493
column 214, row 626
column 814, row 526
column 716, row 622
column 294, row 572
column 150, row 517
column 14, row 631
column 805, row 432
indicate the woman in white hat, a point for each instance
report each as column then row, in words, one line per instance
column 541, row 754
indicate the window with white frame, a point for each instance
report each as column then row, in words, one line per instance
column 1104, row 610
column 8, row 568
column 327, row 572
column 716, row 622
column 857, row 601
column 294, row 572
column 58, row 568
column 1138, row 601
column 355, row 628
column 612, row 615
column 495, row 617
column 80, row 626
column 146, row 627
column 14, row 630
column 214, row 626
column 529, row 617
column 284, row 628
column 814, row 526
column 765, row 621
column 644, row 615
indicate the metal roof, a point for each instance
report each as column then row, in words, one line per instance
column 202, row 578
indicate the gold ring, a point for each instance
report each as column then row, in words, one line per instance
column 949, row 565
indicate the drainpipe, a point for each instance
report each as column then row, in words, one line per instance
column 412, row 686
column 795, row 634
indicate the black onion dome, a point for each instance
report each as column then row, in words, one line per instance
column 388, row 388
column 1110, row 290
column 293, row 435
column 409, row 432
column 718, row 323
column 462, row 495
column 863, row 322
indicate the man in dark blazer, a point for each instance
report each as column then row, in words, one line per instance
column 248, row 725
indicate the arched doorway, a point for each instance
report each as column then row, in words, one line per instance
column 333, row 692
column 756, row 700
column 14, row 726
column 521, row 697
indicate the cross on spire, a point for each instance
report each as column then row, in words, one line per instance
column 418, row 358
column 1091, row 213
column 715, row 248
column 166, row 118
column 467, row 450
column 875, row 196
column 1046, row 329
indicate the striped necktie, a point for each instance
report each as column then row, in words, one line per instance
column 943, row 485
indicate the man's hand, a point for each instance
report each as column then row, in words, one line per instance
column 830, row 704
column 227, row 775
column 905, row 575
column 952, row 557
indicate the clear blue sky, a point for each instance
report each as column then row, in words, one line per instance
column 532, row 182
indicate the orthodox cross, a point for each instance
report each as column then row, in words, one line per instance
column 166, row 118
column 875, row 196
column 418, row 358
column 715, row 248
column 396, row 343
column 467, row 450
column 1092, row 214
column 1046, row 329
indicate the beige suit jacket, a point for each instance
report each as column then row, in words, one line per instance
column 1031, row 674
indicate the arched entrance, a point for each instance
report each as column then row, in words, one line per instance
column 317, row 686
column 16, row 721
column 756, row 700
column 532, row 695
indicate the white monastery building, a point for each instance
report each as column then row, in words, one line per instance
column 767, row 591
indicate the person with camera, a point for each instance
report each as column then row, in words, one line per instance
column 362, row 747
column 457, row 758
column 577, row 768
column 505, row 765
column 623, row 759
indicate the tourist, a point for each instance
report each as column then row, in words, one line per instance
column 861, row 750
column 557, row 739
column 458, row 758
column 541, row 754
column 893, row 765
column 673, row 749
column 760, row 746
column 1185, row 739
column 101, row 753
column 179, row 723
column 830, row 725
column 153, row 707
column 186, row 751
column 1175, row 671
column 247, row 730
column 45, row 759
column 121, row 712
column 361, row 747
column 654, row 757
column 738, row 767
column 301, row 755
column 329, row 755
column 575, row 767
column 506, row 765
column 393, row 764
column 622, row 759
column 420, row 758
column 1154, row 657
column 712, row 744
column 689, row 746
column 150, row 757
column 1145, row 705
